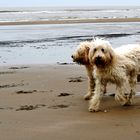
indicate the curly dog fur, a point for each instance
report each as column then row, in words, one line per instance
column 118, row 66
column 80, row 56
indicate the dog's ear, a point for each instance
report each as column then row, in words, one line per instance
column 111, row 54
column 87, row 54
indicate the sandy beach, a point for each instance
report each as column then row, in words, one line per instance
column 45, row 102
column 75, row 21
column 41, row 89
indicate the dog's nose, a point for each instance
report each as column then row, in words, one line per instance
column 98, row 58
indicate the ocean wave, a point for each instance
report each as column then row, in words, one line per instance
column 7, row 11
column 74, row 38
column 31, row 12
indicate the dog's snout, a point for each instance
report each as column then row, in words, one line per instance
column 98, row 58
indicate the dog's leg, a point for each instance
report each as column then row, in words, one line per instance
column 132, row 82
column 91, row 82
column 96, row 98
column 105, row 85
column 123, row 92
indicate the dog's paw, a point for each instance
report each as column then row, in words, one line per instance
column 93, row 109
column 128, row 102
column 120, row 98
column 94, row 105
column 124, row 100
column 87, row 96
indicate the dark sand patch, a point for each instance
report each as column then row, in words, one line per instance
column 11, row 85
column 6, row 108
column 7, row 72
column 76, row 79
column 26, row 92
column 58, row 106
column 14, row 68
column 71, row 37
column 113, row 35
column 32, row 91
column 30, row 107
column 64, row 94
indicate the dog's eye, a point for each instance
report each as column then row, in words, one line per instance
column 102, row 50
column 95, row 50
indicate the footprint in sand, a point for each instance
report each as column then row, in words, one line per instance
column 7, row 72
column 58, row 106
column 30, row 107
column 15, row 68
column 26, row 92
column 11, row 85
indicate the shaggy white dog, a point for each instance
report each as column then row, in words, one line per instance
column 80, row 56
column 118, row 66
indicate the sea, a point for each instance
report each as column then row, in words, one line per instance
column 54, row 43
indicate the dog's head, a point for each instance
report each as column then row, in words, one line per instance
column 101, row 53
column 80, row 56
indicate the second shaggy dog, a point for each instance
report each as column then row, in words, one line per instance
column 80, row 56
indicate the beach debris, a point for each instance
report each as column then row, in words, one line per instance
column 58, row 106
column 65, row 63
column 64, row 94
column 59, row 63
column 105, row 111
column 62, row 63
column 30, row 107
column 76, row 79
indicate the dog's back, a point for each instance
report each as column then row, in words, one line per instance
column 131, row 51
column 128, row 49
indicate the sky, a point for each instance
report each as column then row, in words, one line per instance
column 45, row 3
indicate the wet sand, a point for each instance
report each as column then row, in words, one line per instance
column 45, row 102
column 105, row 20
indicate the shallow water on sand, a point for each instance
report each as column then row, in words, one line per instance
column 49, row 44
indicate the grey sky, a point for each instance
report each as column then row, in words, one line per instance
column 20, row 3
